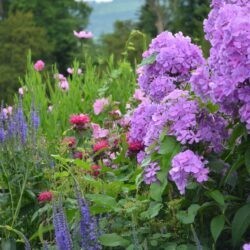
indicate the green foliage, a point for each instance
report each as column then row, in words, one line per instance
column 18, row 34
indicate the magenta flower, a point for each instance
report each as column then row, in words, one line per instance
column 99, row 105
column 21, row 91
column 39, row 65
column 83, row 34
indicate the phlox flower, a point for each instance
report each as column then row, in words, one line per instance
column 83, row 34
column 99, row 132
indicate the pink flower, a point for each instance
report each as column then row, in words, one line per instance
column 99, row 132
column 39, row 65
column 21, row 91
column 7, row 112
column 135, row 146
column 99, row 105
column 95, row 170
column 83, row 34
column 64, row 85
column 71, row 71
column 45, row 196
column 63, row 82
column 101, row 145
column 79, row 121
column 139, row 95
column 78, row 155
column 69, row 141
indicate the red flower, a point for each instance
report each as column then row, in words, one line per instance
column 45, row 196
column 95, row 170
column 70, row 141
column 78, row 155
column 101, row 145
column 79, row 121
column 135, row 146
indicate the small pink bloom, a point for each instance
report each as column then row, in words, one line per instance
column 79, row 121
column 45, row 196
column 78, row 155
column 116, row 114
column 99, row 132
column 39, row 65
column 83, row 34
column 7, row 112
column 95, row 170
column 101, row 145
column 99, row 105
column 69, row 141
column 139, row 95
column 21, row 91
column 135, row 146
column 71, row 71
column 64, row 85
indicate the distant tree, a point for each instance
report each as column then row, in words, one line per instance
column 175, row 15
column 124, row 42
column 59, row 18
column 188, row 17
column 18, row 34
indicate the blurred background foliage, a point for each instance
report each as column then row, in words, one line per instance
column 46, row 28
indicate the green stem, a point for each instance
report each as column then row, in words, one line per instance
column 20, row 199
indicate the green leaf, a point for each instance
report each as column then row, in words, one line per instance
column 247, row 159
column 156, row 191
column 240, row 223
column 169, row 146
column 152, row 211
column 102, row 200
column 149, row 60
column 216, row 226
column 239, row 130
column 218, row 197
column 187, row 217
column 113, row 240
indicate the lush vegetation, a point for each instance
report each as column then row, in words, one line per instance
column 112, row 154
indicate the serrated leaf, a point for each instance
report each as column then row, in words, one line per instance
column 240, row 223
column 216, row 226
column 113, row 240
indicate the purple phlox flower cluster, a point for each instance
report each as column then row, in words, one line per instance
column 62, row 234
column 186, row 165
column 140, row 120
column 150, row 173
column 176, row 57
column 226, row 78
column 212, row 129
column 88, row 227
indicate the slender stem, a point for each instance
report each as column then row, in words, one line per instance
column 20, row 199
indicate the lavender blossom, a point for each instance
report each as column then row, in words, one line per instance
column 186, row 165
column 35, row 119
column 62, row 234
column 150, row 173
column 88, row 227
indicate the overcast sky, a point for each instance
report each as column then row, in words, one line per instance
column 98, row 1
